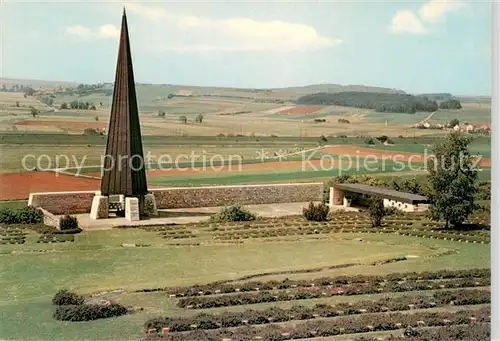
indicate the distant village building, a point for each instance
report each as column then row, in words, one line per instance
column 184, row 92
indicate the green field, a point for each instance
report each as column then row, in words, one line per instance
column 95, row 262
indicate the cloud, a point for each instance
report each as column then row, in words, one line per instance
column 406, row 22
column 435, row 10
column 78, row 30
column 188, row 33
column 108, row 31
column 149, row 12
column 103, row 32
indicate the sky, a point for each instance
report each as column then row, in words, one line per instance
column 417, row 46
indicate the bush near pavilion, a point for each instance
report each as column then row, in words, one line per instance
column 233, row 213
column 317, row 212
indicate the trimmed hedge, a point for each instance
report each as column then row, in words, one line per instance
column 65, row 297
column 25, row 215
column 234, row 319
column 88, row 312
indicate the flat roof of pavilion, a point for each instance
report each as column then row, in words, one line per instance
column 383, row 193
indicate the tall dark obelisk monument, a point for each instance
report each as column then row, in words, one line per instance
column 124, row 173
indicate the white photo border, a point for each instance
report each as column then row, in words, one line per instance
column 495, row 174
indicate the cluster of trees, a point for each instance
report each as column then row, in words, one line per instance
column 78, row 105
column 199, row 119
column 49, row 100
column 450, row 104
column 343, row 120
column 29, row 91
column 437, row 97
column 380, row 102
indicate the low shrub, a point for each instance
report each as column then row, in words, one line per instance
column 317, row 212
column 68, row 223
column 25, row 215
column 88, row 312
column 369, row 140
column 65, row 297
column 233, row 213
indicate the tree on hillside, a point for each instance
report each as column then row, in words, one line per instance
column 450, row 104
column 452, row 180
column 161, row 113
column 29, row 91
column 17, row 104
column 183, row 119
column 199, row 118
column 34, row 111
column 64, row 105
column 454, row 122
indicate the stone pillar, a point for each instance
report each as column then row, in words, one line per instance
column 100, row 207
column 150, row 205
column 347, row 202
column 132, row 209
column 336, row 196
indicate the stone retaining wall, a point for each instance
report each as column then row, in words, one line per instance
column 50, row 219
column 185, row 197
column 63, row 202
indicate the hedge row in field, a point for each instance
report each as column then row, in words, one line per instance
column 72, row 307
column 235, row 319
column 324, row 291
column 224, row 287
column 332, row 327
column 289, row 231
column 88, row 312
column 470, row 332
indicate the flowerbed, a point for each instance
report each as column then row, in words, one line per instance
column 234, row 319
column 475, row 332
column 331, row 327
column 226, row 300
column 225, row 287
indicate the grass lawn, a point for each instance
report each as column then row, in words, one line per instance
column 96, row 262
column 13, row 204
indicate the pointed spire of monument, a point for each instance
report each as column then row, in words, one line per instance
column 124, row 167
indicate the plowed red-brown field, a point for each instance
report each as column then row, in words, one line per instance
column 63, row 124
column 19, row 186
column 302, row 110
